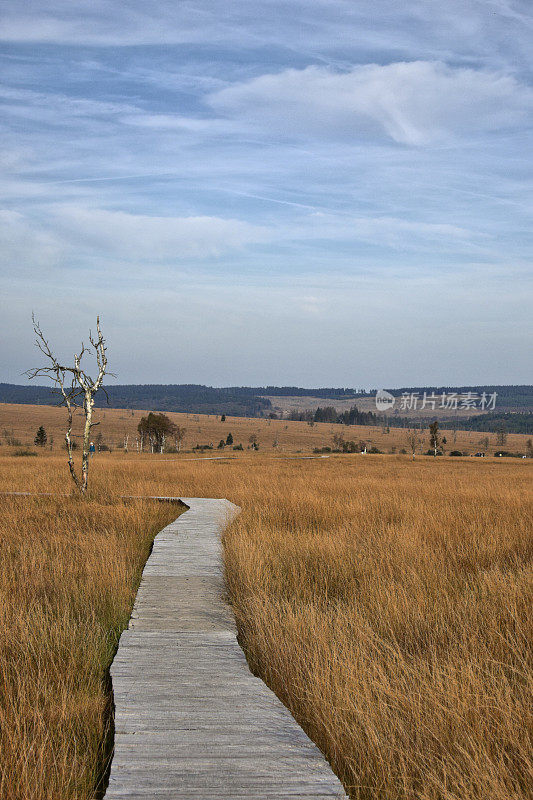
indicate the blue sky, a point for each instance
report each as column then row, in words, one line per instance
column 314, row 193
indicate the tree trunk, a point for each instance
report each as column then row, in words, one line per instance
column 89, row 403
column 68, row 440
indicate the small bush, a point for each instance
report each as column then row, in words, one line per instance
column 349, row 447
column 238, row 447
column 374, row 450
column 24, row 453
column 456, row 453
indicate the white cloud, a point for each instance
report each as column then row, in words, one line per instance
column 393, row 232
column 177, row 122
column 412, row 103
column 151, row 238
column 53, row 107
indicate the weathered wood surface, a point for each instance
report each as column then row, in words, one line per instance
column 191, row 721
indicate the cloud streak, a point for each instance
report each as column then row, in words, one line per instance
column 412, row 103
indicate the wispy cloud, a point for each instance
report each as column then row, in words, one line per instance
column 413, row 103
column 141, row 237
column 294, row 175
column 117, row 235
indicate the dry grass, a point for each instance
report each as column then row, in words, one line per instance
column 274, row 436
column 385, row 601
column 389, row 608
column 68, row 576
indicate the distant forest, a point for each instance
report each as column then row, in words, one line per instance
column 508, row 422
column 155, row 397
column 514, row 406
column 330, row 414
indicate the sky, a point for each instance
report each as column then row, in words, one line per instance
column 301, row 192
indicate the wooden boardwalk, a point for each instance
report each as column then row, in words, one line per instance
column 191, row 721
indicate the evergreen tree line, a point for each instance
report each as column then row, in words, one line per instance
column 510, row 422
column 330, row 414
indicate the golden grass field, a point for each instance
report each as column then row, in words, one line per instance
column 22, row 421
column 386, row 601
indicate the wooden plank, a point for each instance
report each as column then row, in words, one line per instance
column 191, row 721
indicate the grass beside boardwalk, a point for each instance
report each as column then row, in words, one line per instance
column 68, row 575
column 386, row 601
column 388, row 604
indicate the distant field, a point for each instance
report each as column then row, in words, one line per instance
column 386, row 601
column 302, row 403
column 21, row 422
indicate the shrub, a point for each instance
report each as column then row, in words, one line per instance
column 349, row 447
column 456, row 453
column 24, row 453
column 238, row 447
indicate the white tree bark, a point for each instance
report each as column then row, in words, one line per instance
column 80, row 393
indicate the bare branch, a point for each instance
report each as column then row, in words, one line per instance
column 77, row 389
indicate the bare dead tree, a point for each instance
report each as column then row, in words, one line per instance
column 413, row 441
column 179, row 436
column 77, row 389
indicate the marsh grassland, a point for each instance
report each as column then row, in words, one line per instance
column 386, row 601
column 274, row 436
column 389, row 606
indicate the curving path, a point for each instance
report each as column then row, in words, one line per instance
column 191, row 721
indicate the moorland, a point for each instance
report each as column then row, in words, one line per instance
column 385, row 600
